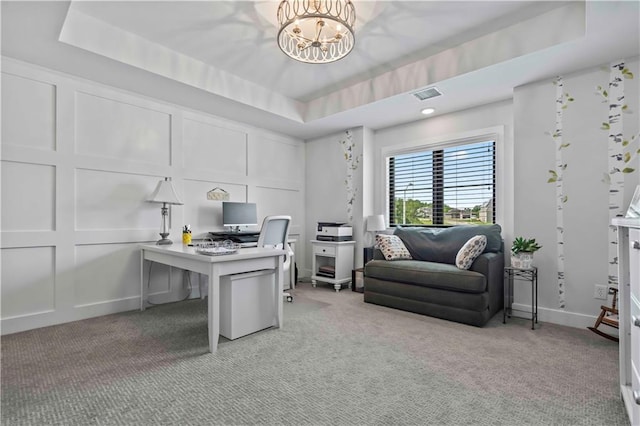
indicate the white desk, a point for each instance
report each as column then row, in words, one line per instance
column 245, row 260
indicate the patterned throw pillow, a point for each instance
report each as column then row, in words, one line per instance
column 392, row 247
column 470, row 250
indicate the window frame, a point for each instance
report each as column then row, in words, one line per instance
column 495, row 134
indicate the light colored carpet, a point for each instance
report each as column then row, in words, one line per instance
column 336, row 361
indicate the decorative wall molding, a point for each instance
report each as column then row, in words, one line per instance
column 86, row 157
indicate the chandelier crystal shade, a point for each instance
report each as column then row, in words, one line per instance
column 316, row 31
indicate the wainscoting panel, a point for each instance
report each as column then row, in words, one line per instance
column 203, row 213
column 278, row 159
column 212, row 146
column 28, row 112
column 28, row 281
column 274, row 201
column 28, row 197
column 79, row 162
column 107, row 200
column 105, row 273
column 114, row 129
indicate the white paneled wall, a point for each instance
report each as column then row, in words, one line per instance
column 79, row 161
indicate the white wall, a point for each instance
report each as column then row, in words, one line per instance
column 491, row 118
column 587, row 159
column 528, row 206
column 79, row 161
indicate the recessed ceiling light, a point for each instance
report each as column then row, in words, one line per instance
column 428, row 111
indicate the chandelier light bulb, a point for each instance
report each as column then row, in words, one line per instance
column 316, row 32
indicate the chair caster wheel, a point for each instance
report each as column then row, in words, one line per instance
column 289, row 298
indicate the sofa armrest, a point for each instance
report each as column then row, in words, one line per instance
column 491, row 265
column 377, row 254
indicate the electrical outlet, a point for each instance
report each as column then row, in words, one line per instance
column 600, row 292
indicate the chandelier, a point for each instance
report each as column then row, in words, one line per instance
column 316, row 31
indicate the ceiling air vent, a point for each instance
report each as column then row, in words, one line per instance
column 429, row 93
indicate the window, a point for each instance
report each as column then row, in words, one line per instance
column 445, row 186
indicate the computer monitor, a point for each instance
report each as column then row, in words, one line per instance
column 236, row 215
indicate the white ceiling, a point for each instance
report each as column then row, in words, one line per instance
column 221, row 56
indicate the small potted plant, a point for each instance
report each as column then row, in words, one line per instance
column 522, row 251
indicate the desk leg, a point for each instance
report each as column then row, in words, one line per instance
column 279, row 289
column 143, row 288
column 292, row 272
column 214, row 309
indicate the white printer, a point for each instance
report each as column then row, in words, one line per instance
column 334, row 231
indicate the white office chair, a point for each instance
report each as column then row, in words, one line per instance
column 274, row 233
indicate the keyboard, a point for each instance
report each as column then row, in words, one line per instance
column 246, row 245
column 247, row 238
column 244, row 238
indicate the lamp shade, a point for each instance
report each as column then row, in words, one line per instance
column 165, row 193
column 376, row 223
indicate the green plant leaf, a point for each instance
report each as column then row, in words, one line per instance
column 627, row 157
column 628, row 170
column 605, row 126
column 564, row 145
column 625, row 107
column 551, row 180
column 521, row 244
column 564, row 199
column 604, row 93
column 625, row 143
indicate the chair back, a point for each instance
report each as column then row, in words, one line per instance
column 274, row 233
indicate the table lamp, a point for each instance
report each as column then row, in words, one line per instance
column 375, row 223
column 165, row 193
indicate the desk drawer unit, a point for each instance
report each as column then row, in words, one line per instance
column 244, row 303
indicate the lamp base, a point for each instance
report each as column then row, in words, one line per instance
column 164, row 241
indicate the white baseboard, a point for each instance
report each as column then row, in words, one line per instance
column 44, row 319
column 555, row 316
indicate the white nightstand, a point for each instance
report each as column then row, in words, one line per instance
column 332, row 258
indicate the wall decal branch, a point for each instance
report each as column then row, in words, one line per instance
column 352, row 160
column 556, row 176
column 620, row 153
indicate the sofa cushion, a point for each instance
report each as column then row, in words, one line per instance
column 441, row 245
column 427, row 274
column 392, row 247
column 433, row 296
column 470, row 250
